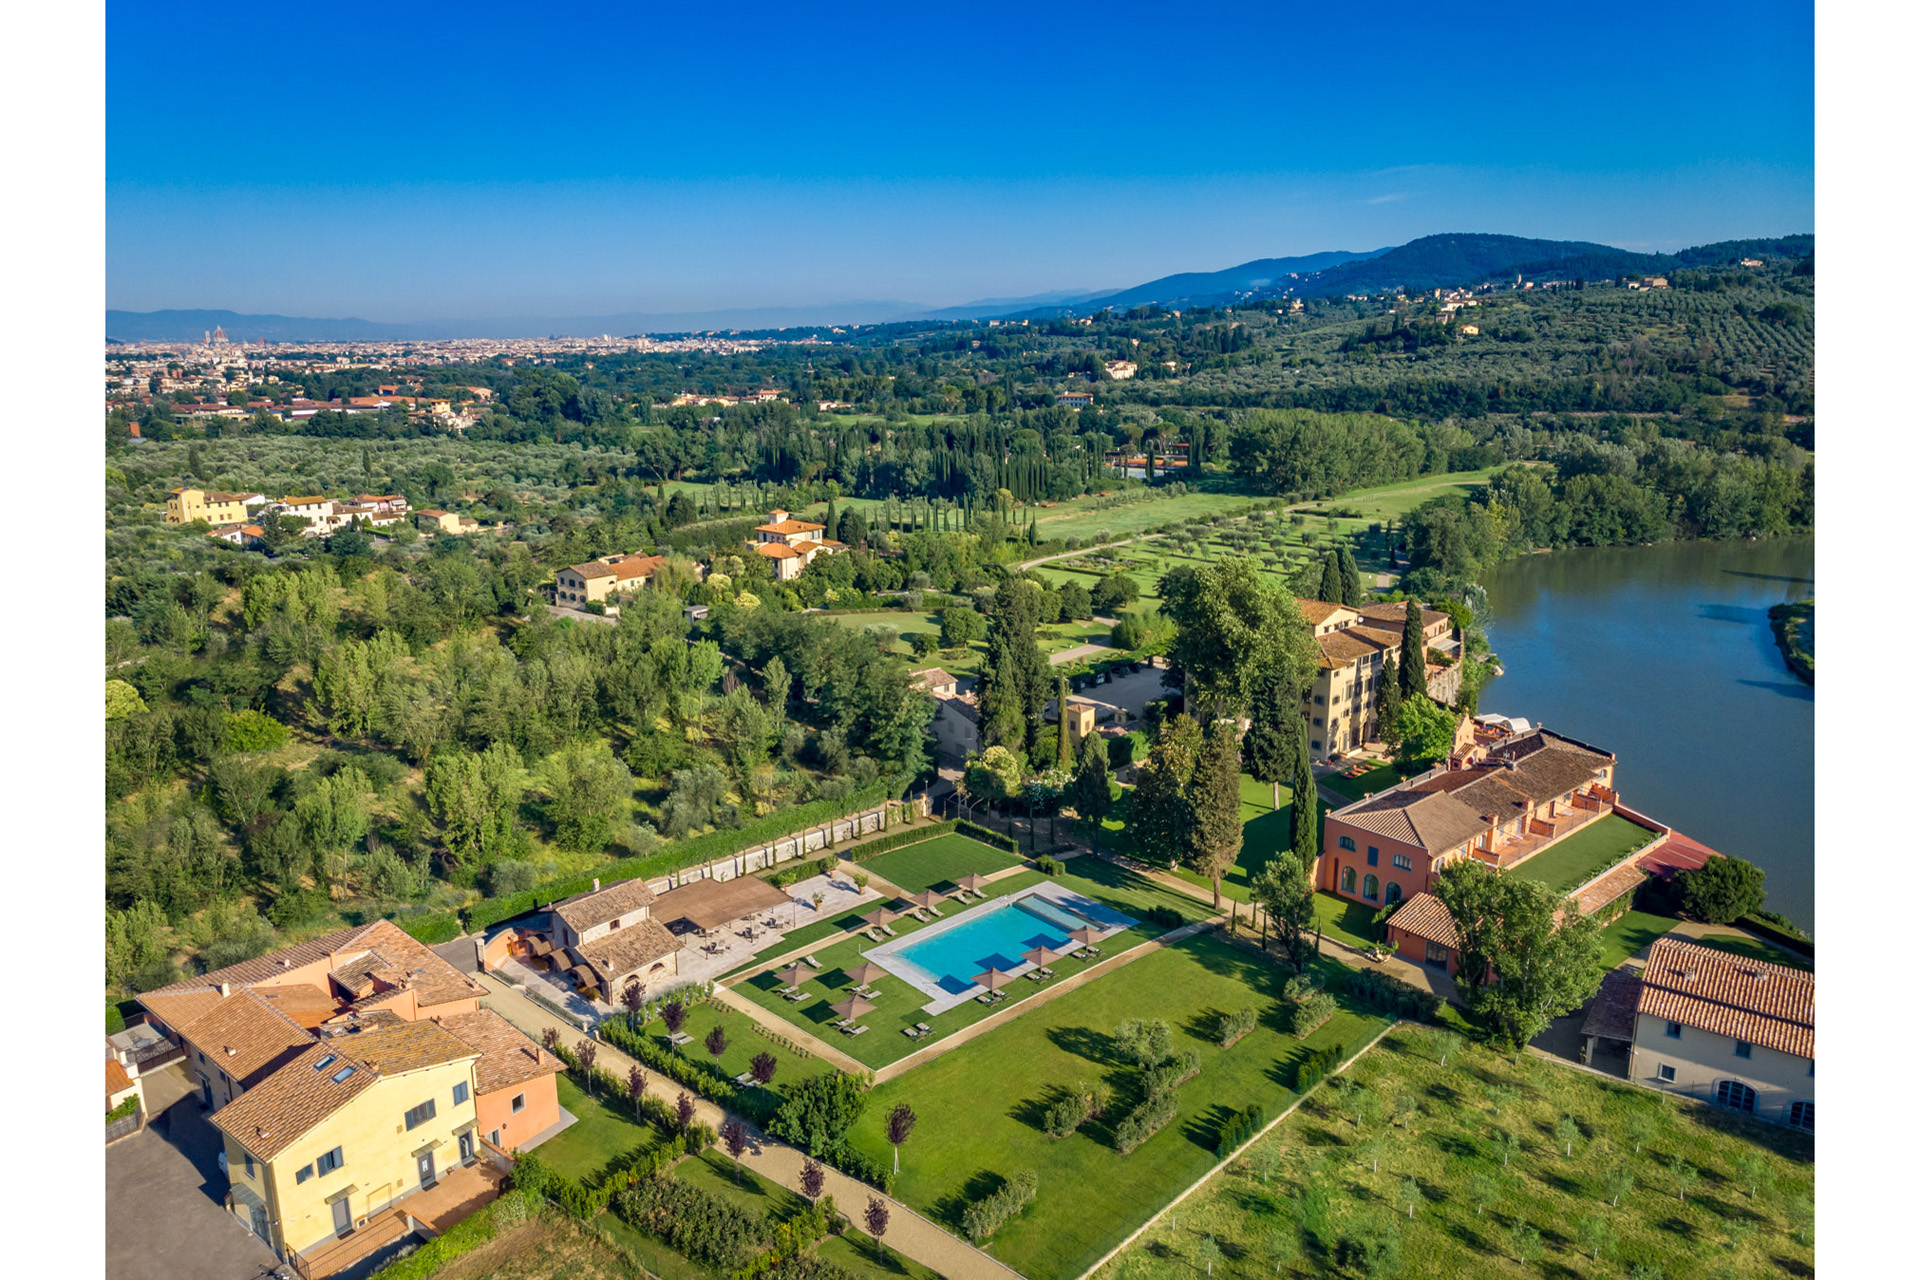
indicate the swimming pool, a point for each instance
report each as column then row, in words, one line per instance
column 995, row 936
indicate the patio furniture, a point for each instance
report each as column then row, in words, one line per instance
column 853, row 1007
column 911, row 1033
column 924, row 1028
column 1084, row 935
column 679, row 1038
column 973, row 883
column 744, row 1078
column 985, row 997
column 859, row 1031
column 926, row 900
column 810, row 962
column 793, row 975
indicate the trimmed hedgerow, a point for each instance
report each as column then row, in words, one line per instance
column 1393, row 995
column 431, row 930
column 1314, row 1067
column 984, row 1217
column 1240, row 1126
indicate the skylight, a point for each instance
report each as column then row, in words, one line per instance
column 325, row 1062
column 342, row 1074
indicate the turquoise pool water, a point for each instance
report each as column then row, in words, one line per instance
column 995, row 938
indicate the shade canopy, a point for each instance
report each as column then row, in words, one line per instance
column 1084, row 935
column 973, row 882
column 793, row 975
column 880, row 915
column 926, row 898
column 865, row 972
column 854, row 1007
column 993, row 979
column 1040, row 956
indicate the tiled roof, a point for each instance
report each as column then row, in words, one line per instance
column 436, row 981
column 117, row 1081
column 1426, row 819
column 246, row 1037
column 407, row 1046
column 508, row 1057
column 1424, row 916
column 1338, row 648
column 1456, row 805
column 932, row 678
column 1750, row 1000
column 268, row 1119
column 625, row 950
column 1613, row 1009
column 1318, row 611
column 597, row 906
column 301, row 1003
column 776, row 550
column 593, row 570
column 637, row 566
column 1395, row 615
column 788, row 526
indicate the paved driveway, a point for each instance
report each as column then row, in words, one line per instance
column 165, row 1219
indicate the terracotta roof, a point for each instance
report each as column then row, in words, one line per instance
column 932, row 678
column 1338, row 648
column 1612, row 1013
column 788, row 526
column 597, row 906
column 435, row 981
column 246, row 1037
column 507, row 1056
column 302, row 502
column 117, row 1081
column 624, row 950
column 1456, row 805
column 1426, row 819
column 1424, row 916
column 1396, row 615
column 1318, row 611
column 301, row 1003
column 776, row 550
column 637, row 566
column 1717, row 991
column 407, row 1046
column 593, row 570
column 178, row 1008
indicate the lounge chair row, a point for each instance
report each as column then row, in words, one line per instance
column 991, row 997
column 916, row 1031
column 847, row 1026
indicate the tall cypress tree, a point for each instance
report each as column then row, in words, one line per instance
column 1062, row 752
column 1272, row 729
column 1351, row 590
column 1332, row 589
column 1390, row 702
column 1217, row 835
column 1413, row 653
column 1305, row 831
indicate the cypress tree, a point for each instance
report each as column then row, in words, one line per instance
column 1217, row 835
column 1305, row 833
column 1413, row 653
column 1352, row 592
column 1062, row 752
column 1332, row 589
column 1273, row 720
column 1390, row 702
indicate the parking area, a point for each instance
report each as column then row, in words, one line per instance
column 165, row 1197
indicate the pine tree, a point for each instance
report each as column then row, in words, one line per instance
column 1413, row 653
column 1217, row 834
column 1331, row 587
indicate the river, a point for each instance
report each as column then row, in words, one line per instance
column 1664, row 656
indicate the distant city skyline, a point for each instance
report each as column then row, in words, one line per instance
column 399, row 166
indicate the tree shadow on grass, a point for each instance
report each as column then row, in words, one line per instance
column 1203, row 1130
column 1032, row 1112
column 1085, row 1042
column 1674, row 1224
column 1792, row 1266
column 950, row 1209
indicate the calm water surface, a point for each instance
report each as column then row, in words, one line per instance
column 1663, row 655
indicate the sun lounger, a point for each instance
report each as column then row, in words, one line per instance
column 744, row 1078
column 924, row 1028
column 795, row 997
column 858, row 1031
column 841, row 1025
column 910, row 1033
column 985, row 997
column 810, row 962
column 888, row 930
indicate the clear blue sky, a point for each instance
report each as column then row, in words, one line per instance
column 407, row 161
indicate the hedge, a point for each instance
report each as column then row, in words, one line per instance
column 984, row 1217
column 681, row 853
column 1145, row 1120
column 975, row 831
column 690, row 1073
column 898, row 839
column 1240, row 1126
column 1314, row 1067
column 128, row 1105
column 1393, row 995
column 431, row 930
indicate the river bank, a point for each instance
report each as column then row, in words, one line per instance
column 1793, row 632
column 1665, row 656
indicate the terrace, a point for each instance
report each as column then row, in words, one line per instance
column 1544, row 833
column 1600, row 842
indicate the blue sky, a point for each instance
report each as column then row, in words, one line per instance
column 408, row 161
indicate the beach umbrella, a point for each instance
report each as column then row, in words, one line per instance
column 793, row 975
column 1041, row 957
column 880, row 916
column 925, row 898
column 1085, row 936
column 854, row 1007
column 974, row 883
column 865, row 972
column 993, row 979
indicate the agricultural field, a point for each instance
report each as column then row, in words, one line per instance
column 1086, row 517
column 981, row 1106
column 1648, row 1181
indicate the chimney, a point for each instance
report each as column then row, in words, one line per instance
column 596, row 884
column 225, row 990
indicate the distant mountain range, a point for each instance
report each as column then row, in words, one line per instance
column 1431, row 262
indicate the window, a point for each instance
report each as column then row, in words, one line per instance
column 1370, row 887
column 1373, row 856
column 1393, row 891
column 1318, row 723
column 459, row 1093
column 248, row 1157
column 303, row 1173
column 1316, row 744
column 1319, row 700
column 519, row 1102
column 341, row 1075
column 1735, row 1095
column 1346, row 879
column 420, row 1114
column 1346, row 842
column 1403, row 862
column 1673, row 1031
column 494, row 1137
column 330, row 1161
column 1666, row 1072
column 1800, row 1116
column 1742, row 1049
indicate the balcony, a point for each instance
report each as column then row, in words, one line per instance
column 1541, row 833
column 425, row 1213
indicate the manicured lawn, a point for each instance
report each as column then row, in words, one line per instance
column 1378, row 778
column 713, row 1172
column 1265, row 831
column 1631, row 934
column 744, row 1041
column 1451, row 1144
column 1584, row 854
column 1350, row 922
column 939, row 863
column 854, row 1251
column 1753, row 949
column 605, row 1128
column 980, row 1107
column 900, row 1005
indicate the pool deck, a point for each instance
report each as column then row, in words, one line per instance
column 892, row 956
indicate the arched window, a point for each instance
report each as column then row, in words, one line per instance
column 1346, row 879
column 1346, row 842
column 1370, row 888
column 1393, row 891
column 1735, row 1095
column 1800, row 1116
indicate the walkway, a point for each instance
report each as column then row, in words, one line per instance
column 909, row 1233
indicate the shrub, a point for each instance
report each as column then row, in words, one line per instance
column 1240, row 1126
column 1393, row 995
column 1314, row 1067
column 1165, row 917
column 1049, row 865
column 1165, row 1077
column 1234, row 1027
column 128, row 1105
column 984, row 1217
column 701, row 1225
column 1145, row 1120
column 975, row 831
column 1305, row 1016
column 463, row 1237
column 431, row 930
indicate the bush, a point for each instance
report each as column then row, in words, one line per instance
column 1169, row 1075
column 1308, row 1015
column 1314, row 1067
column 128, row 1105
column 1722, row 891
column 463, row 1237
column 431, row 930
column 1392, row 995
column 1234, row 1027
column 1165, row 917
column 701, row 1225
column 1049, row 865
column 1145, row 1120
column 900, row 839
column 984, row 1217
column 974, row 831
column 1240, row 1127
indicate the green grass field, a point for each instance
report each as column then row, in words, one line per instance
column 1265, row 831
column 901, row 1006
column 1082, row 519
column 1631, row 934
column 1462, row 1224
column 939, row 863
column 745, row 1040
column 604, row 1128
column 1584, row 854
column 980, row 1106
column 1350, row 922
column 960, row 662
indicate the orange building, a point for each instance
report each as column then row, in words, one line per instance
column 514, row 1094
